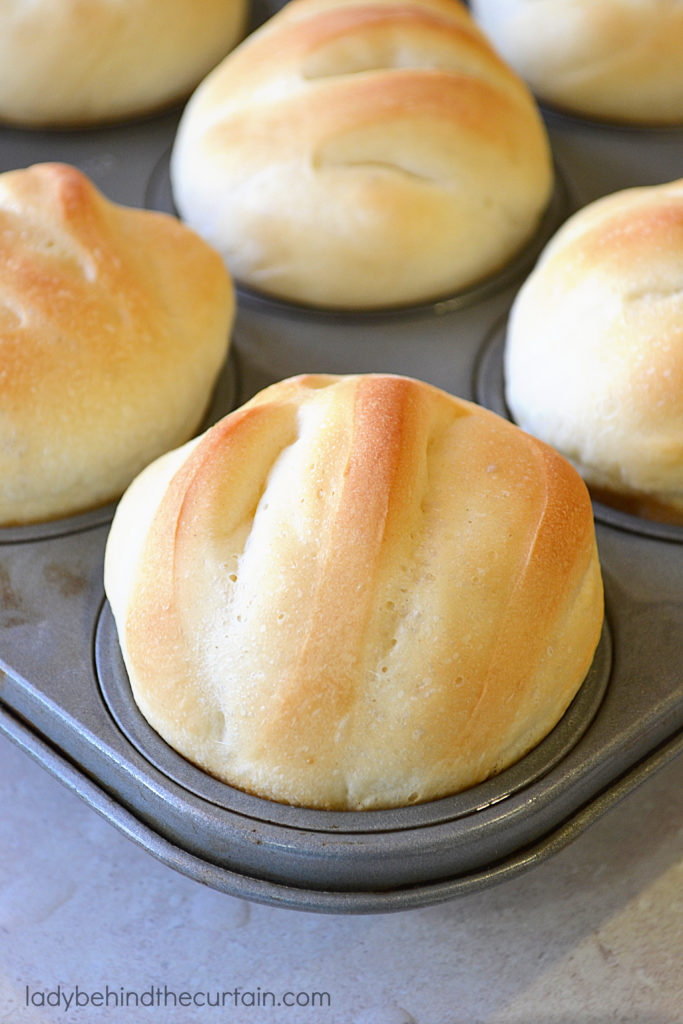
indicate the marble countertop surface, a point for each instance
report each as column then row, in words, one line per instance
column 90, row 924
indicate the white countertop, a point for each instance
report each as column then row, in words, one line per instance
column 591, row 936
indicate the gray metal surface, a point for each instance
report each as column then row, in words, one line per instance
column 325, row 901
column 64, row 696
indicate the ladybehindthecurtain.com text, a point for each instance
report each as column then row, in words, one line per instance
column 164, row 997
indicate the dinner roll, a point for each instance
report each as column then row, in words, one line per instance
column 358, row 154
column 620, row 60
column 594, row 355
column 79, row 62
column 355, row 592
column 114, row 324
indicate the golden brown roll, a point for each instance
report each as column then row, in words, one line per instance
column 363, row 154
column 79, row 62
column 620, row 60
column 594, row 354
column 355, row 592
column 114, row 323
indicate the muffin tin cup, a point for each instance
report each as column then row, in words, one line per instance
column 64, row 694
column 79, row 701
column 117, row 695
column 602, row 157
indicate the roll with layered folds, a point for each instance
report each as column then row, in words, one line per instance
column 114, row 324
column 620, row 60
column 355, row 592
column 594, row 351
column 362, row 154
column 82, row 62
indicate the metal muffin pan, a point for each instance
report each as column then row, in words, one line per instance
column 64, row 694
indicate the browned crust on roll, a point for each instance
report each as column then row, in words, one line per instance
column 363, row 155
column 594, row 353
column 80, row 63
column 615, row 60
column 114, row 323
column 356, row 592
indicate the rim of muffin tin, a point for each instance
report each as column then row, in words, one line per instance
column 117, row 696
column 223, row 400
column 159, row 196
column 564, row 116
column 488, row 387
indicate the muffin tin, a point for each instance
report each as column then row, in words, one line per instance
column 64, row 694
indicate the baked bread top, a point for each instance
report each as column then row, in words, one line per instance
column 620, row 60
column 82, row 62
column 114, row 323
column 594, row 353
column 355, row 592
column 360, row 154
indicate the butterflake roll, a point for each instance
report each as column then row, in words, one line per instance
column 79, row 62
column 594, row 352
column 114, row 323
column 619, row 60
column 363, row 154
column 355, row 592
